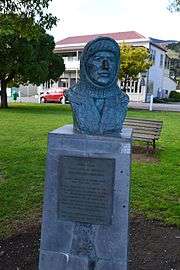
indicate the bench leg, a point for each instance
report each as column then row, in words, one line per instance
column 153, row 145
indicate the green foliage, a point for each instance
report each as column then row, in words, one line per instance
column 175, row 47
column 56, row 66
column 174, row 54
column 24, row 128
column 174, row 5
column 26, row 53
column 11, row 24
column 174, row 95
column 34, row 9
column 26, row 56
column 134, row 60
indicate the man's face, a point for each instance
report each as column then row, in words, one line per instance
column 102, row 67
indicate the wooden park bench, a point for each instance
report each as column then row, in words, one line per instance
column 144, row 130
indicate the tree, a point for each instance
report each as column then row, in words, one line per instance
column 175, row 47
column 34, row 9
column 174, row 6
column 174, row 54
column 26, row 56
column 134, row 60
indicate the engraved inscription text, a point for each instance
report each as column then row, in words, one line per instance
column 86, row 189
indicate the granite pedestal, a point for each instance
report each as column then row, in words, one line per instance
column 85, row 215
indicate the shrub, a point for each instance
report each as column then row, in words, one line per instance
column 174, row 96
column 160, row 100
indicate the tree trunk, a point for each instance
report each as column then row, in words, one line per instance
column 4, row 103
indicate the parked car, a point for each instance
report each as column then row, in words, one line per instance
column 57, row 96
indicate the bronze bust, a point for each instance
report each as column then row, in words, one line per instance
column 99, row 105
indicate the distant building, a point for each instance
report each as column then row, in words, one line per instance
column 155, row 81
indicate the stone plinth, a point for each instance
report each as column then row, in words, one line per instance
column 85, row 216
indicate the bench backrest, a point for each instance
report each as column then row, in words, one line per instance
column 144, row 126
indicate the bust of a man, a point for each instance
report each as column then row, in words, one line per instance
column 99, row 105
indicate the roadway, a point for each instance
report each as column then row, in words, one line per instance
column 175, row 107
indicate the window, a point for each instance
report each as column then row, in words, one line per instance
column 135, row 87
column 150, row 87
column 167, row 62
column 153, row 56
column 161, row 60
column 140, row 88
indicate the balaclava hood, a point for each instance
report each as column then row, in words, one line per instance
column 86, row 86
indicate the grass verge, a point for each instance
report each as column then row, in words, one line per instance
column 155, row 188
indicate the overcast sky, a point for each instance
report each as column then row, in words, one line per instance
column 148, row 17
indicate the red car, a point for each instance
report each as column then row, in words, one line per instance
column 57, row 97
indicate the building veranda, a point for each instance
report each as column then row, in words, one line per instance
column 156, row 81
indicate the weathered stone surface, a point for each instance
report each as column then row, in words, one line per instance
column 62, row 261
column 105, row 265
column 89, row 246
column 111, row 241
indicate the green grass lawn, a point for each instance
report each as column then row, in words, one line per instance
column 23, row 145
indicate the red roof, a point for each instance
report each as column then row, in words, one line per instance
column 87, row 38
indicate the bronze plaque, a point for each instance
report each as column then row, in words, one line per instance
column 85, row 191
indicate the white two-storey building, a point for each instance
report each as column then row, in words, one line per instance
column 155, row 81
